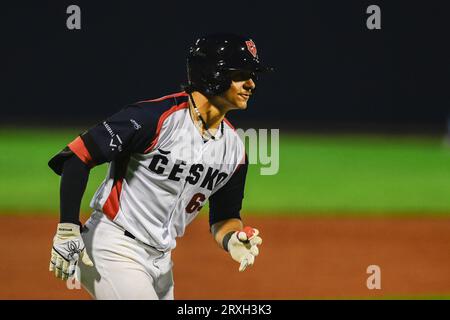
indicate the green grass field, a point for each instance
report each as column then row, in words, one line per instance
column 317, row 175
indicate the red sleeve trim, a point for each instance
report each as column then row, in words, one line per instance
column 79, row 148
column 161, row 120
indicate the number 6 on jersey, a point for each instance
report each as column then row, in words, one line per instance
column 196, row 203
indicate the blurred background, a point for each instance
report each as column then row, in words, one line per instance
column 364, row 124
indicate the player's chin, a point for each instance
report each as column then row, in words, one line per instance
column 240, row 105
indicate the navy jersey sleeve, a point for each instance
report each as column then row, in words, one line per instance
column 128, row 131
column 226, row 203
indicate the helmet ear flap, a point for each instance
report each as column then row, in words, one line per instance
column 219, row 84
column 205, row 79
column 214, row 88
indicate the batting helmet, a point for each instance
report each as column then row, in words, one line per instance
column 212, row 58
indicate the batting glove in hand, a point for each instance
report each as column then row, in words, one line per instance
column 68, row 247
column 243, row 246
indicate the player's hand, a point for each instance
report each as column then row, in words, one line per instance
column 243, row 246
column 68, row 247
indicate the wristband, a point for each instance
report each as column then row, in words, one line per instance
column 226, row 239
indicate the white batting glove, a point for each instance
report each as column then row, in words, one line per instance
column 68, row 247
column 243, row 247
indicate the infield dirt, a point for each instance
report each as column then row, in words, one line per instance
column 301, row 257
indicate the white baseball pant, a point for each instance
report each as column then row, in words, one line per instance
column 123, row 267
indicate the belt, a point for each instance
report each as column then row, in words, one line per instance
column 130, row 235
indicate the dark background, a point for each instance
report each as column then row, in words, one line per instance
column 332, row 72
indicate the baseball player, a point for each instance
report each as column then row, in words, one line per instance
column 166, row 157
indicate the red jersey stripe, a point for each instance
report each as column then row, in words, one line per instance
column 161, row 120
column 173, row 95
column 229, row 123
column 111, row 206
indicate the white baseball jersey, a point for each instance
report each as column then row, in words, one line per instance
column 161, row 171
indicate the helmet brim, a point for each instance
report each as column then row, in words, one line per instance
column 253, row 68
column 264, row 69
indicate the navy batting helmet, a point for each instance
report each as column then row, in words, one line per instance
column 213, row 58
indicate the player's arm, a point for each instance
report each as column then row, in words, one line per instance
column 74, row 179
column 102, row 143
column 225, row 221
column 68, row 245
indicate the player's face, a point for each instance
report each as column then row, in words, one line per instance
column 240, row 91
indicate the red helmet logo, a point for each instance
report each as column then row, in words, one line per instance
column 251, row 47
